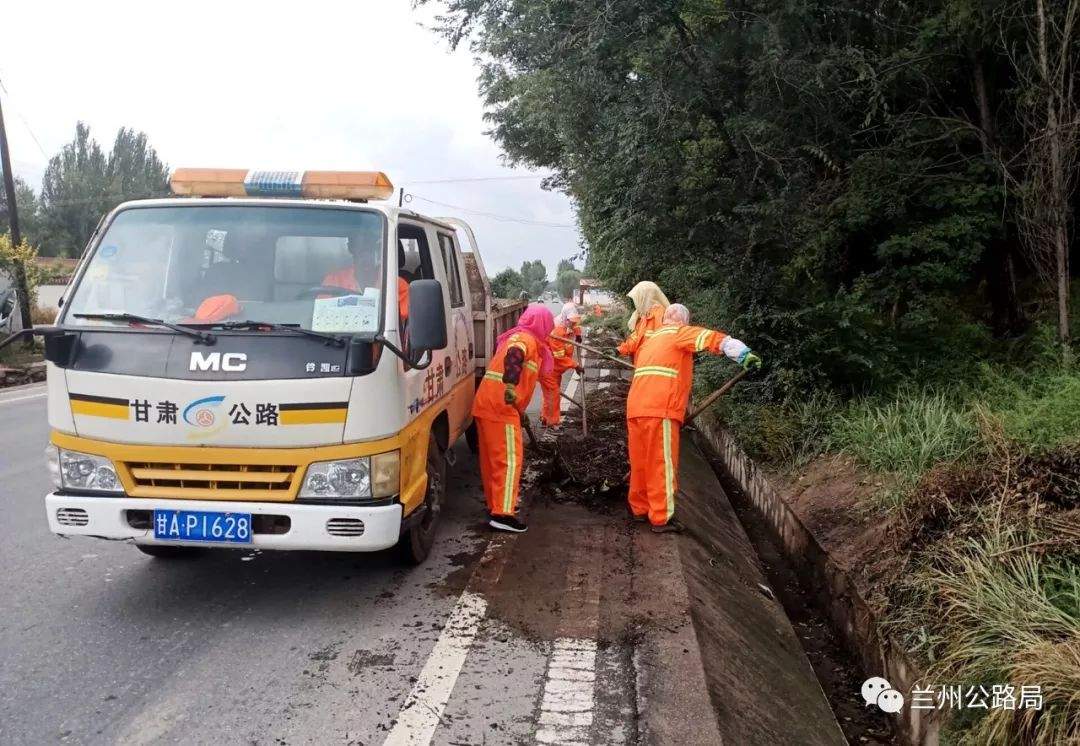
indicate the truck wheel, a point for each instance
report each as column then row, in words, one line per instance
column 472, row 438
column 167, row 552
column 415, row 544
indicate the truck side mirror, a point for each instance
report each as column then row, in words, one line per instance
column 427, row 316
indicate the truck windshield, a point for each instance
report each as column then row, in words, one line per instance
column 313, row 267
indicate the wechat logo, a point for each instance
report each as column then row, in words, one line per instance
column 878, row 691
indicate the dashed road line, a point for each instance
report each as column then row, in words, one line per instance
column 569, row 700
column 566, row 710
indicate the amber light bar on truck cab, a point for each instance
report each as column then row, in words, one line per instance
column 239, row 182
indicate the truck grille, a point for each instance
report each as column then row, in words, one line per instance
column 213, row 481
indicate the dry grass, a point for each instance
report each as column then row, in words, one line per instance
column 40, row 315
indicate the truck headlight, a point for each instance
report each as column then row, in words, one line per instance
column 360, row 478
column 82, row 471
column 338, row 480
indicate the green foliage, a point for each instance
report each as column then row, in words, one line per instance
column 821, row 182
column 82, row 183
column 1039, row 413
column 507, row 284
column 12, row 256
column 27, row 203
column 567, row 280
column 907, row 435
column 534, row 278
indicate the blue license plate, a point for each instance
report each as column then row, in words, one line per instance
column 202, row 525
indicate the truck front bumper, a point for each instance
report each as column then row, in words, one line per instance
column 327, row 528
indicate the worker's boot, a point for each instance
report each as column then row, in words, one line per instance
column 508, row 523
column 671, row 527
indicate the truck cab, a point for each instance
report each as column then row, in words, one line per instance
column 269, row 360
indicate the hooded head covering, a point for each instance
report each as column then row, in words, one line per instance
column 568, row 315
column 677, row 313
column 537, row 321
column 645, row 295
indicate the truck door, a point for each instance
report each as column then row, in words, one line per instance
column 458, row 360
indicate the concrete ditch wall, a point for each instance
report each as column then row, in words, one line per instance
column 848, row 612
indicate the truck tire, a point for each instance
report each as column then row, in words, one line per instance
column 161, row 551
column 415, row 544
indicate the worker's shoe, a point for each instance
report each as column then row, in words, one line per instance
column 507, row 523
column 639, row 518
column 671, row 527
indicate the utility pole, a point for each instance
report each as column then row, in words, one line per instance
column 13, row 220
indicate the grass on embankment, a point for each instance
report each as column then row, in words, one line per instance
column 982, row 483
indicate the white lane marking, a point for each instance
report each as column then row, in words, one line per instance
column 23, row 398
column 571, row 389
column 422, row 710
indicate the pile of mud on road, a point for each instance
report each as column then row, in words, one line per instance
column 588, row 468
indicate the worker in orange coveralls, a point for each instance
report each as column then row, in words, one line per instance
column 365, row 272
column 521, row 356
column 656, row 406
column 648, row 315
column 566, row 327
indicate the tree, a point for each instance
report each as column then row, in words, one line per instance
column 507, row 284
column 82, row 183
column 1052, row 121
column 836, row 182
column 534, row 277
column 567, row 279
column 29, row 217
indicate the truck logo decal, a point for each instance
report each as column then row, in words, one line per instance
column 229, row 362
column 200, row 413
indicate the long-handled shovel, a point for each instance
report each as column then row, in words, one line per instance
column 584, row 412
column 528, row 428
column 711, row 398
column 595, row 351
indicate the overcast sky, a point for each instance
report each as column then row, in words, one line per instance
column 357, row 85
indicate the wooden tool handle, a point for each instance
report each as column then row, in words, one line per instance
column 711, row 398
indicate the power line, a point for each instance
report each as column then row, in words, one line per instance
column 492, row 215
column 467, row 179
column 26, row 124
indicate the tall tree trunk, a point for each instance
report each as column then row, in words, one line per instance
column 1057, row 197
column 1007, row 313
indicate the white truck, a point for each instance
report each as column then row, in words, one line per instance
column 269, row 360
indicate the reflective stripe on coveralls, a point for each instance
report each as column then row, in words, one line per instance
column 551, row 383
column 501, row 453
column 498, row 424
column 653, row 443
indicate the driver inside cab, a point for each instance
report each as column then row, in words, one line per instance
column 364, row 273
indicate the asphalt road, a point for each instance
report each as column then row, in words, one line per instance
column 101, row 644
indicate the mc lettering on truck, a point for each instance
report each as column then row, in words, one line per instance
column 227, row 361
column 267, row 359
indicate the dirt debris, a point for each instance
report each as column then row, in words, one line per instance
column 566, row 466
